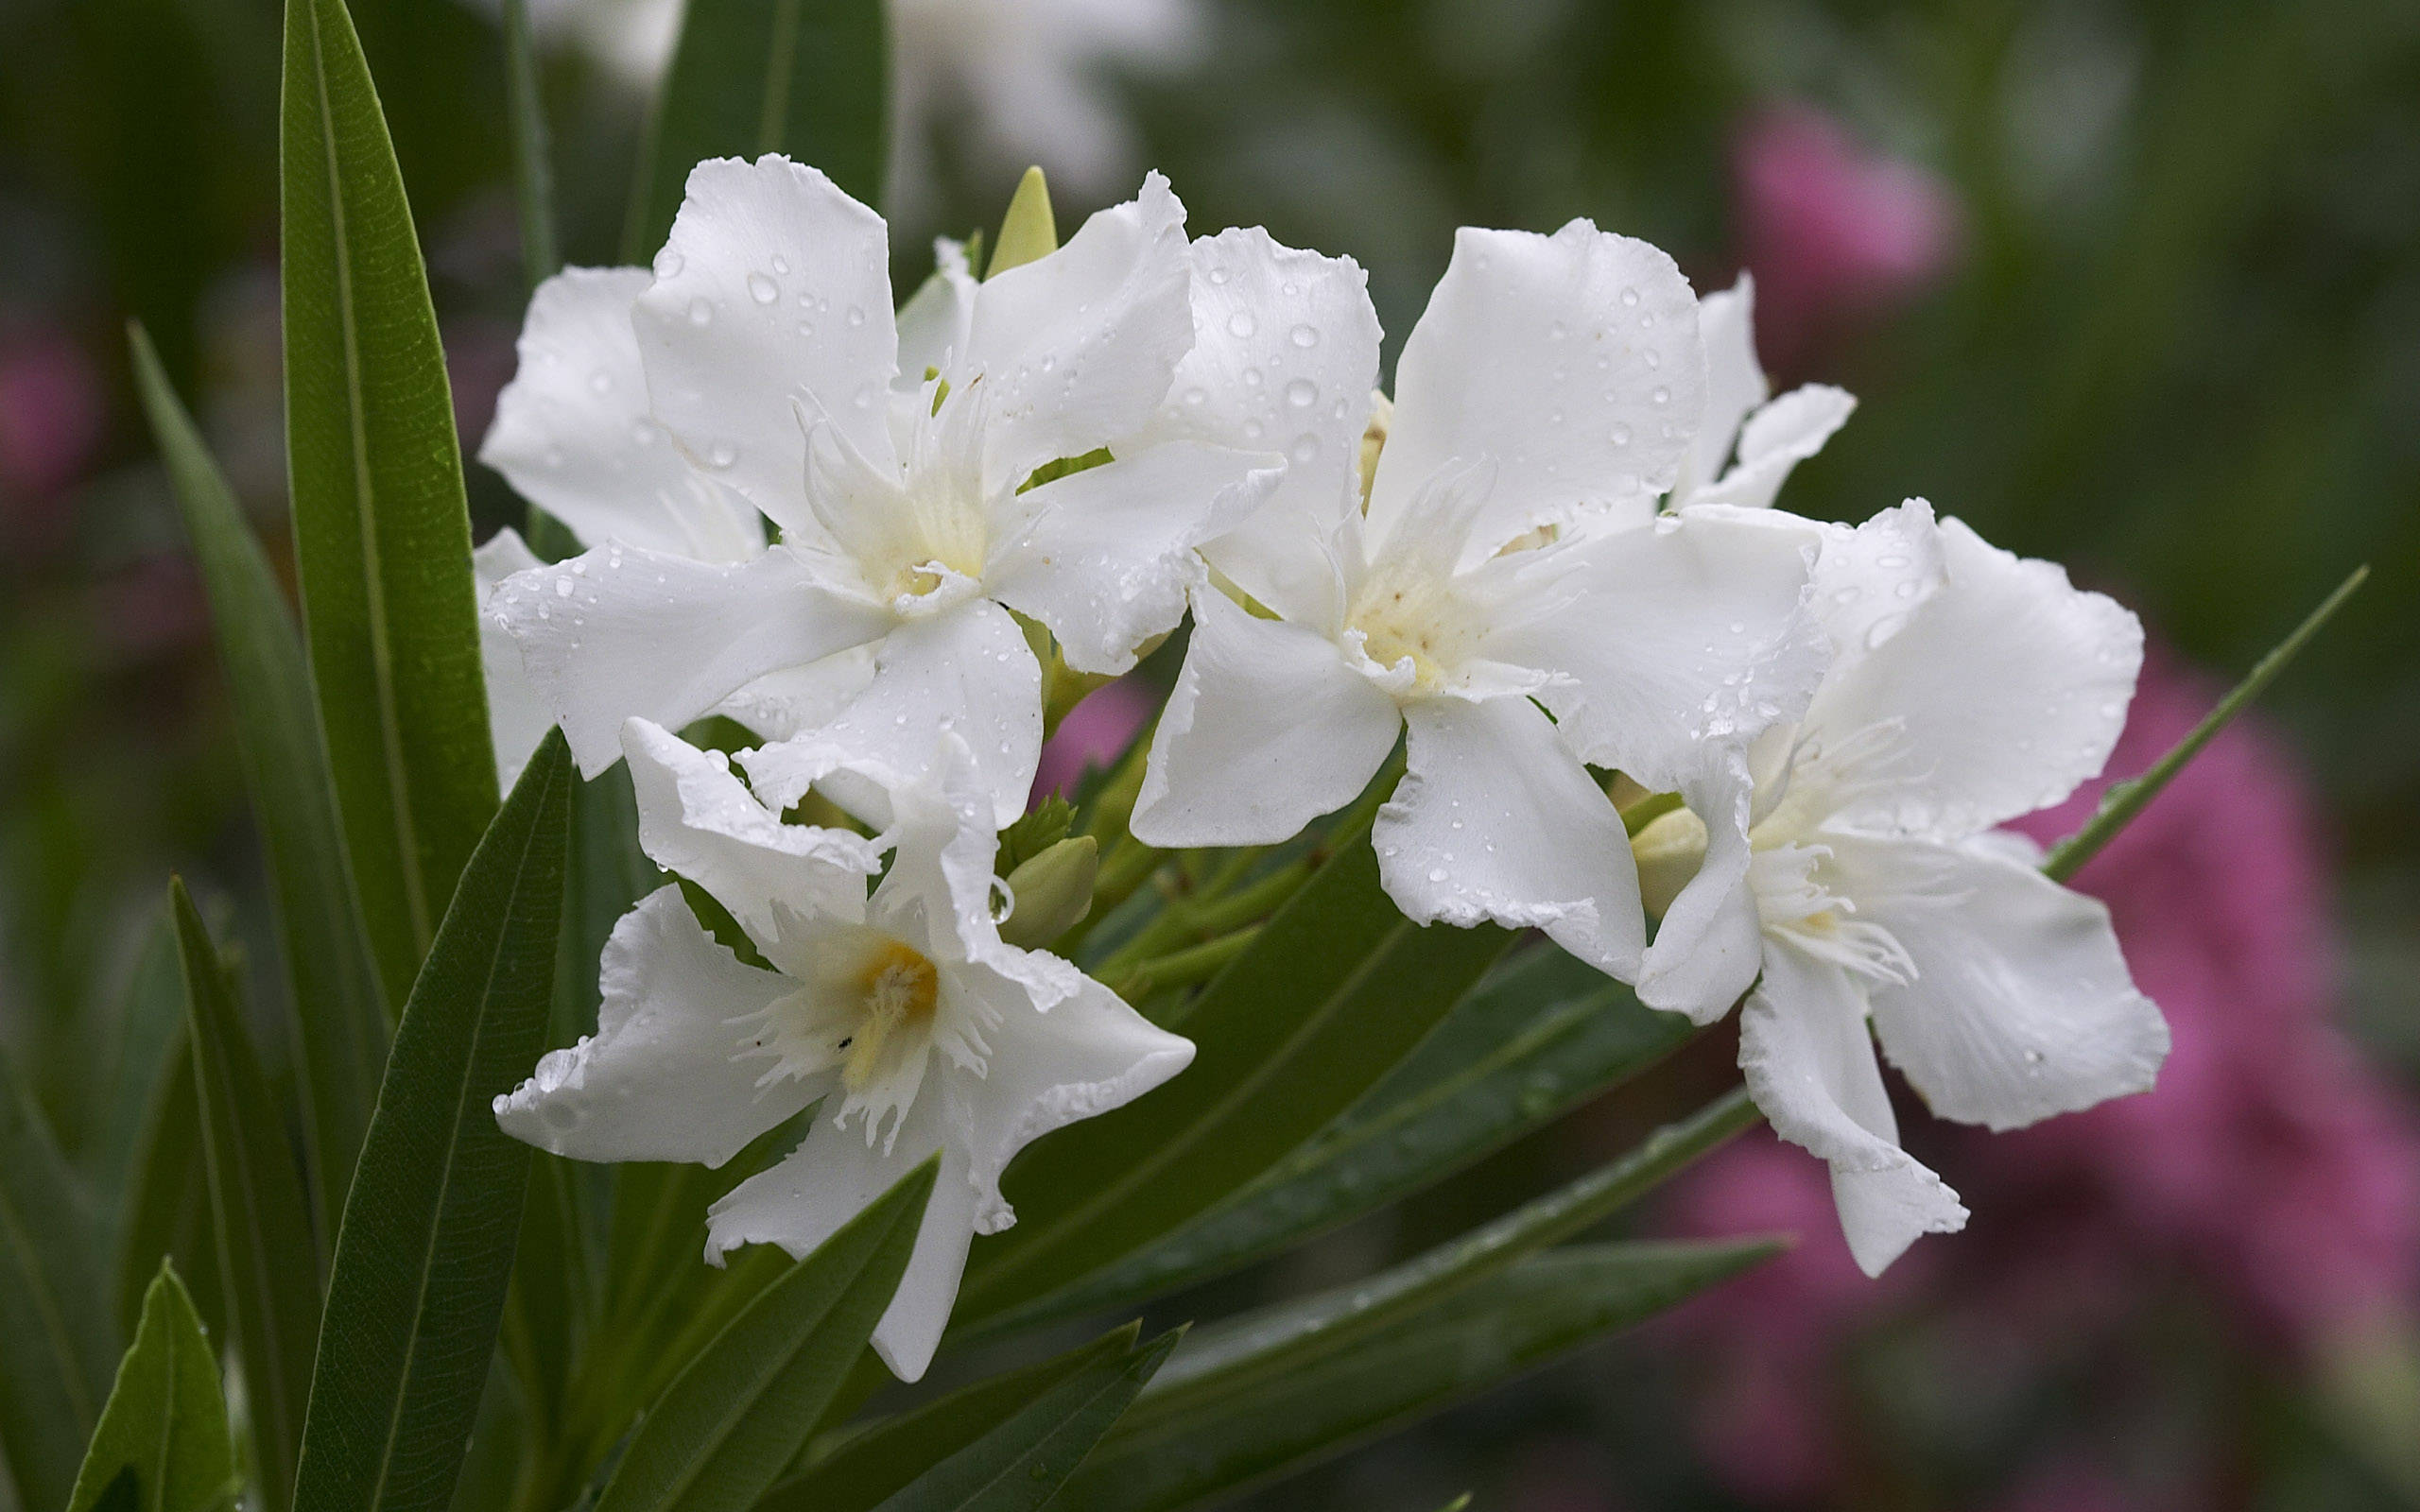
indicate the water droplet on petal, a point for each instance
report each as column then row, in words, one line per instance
column 1307, row 449
column 700, row 312
column 1241, row 323
column 1301, row 393
column 1306, row 336
column 667, row 264
column 1620, row 434
column 1629, row 297
column 857, row 316
column 1252, row 377
column 762, row 289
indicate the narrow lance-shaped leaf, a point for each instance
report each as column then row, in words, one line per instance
column 340, row 1005
column 418, row 1285
column 1278, row 1341
column 164, row 1214
column 1029, row 231
column 533, row 174
column 166, row 1417
column 57, row 1335
column 1021, row 1465
column 740, row 1411
column 1537, row 1038
column 1335, row 990
column 2123, row 800
column 865, row 1468
column 269, row 1269
column 382, row 532
column 1510, row 1324
column 808, row 78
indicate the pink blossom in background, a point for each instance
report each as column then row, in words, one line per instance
column 1094, row 733
column 1831, row 229
column 52, row 412
column 2270, row 1168
column 2270, row 1157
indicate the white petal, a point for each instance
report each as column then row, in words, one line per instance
column 620, row 632
column 966, row 669
column 1285, row 354
column 2006, row 688
column 794, row 700
column 698, row 820
column 1779, row 437
column 1090, row 1053
column 1267, row 730
column 1809, row 1064
column 774, row 294
column 1678, row 636
column 574, row 436
column 1496, row 818
column 517, row 717
column 669, row 1075
column 1102, row 556
column 1572, row 360
column 2022, row 1005
column 1076, row 348
column 933, row 323
column 835, row 1175
column 1869, row 580
column 1735, row 383
column 1709, row 943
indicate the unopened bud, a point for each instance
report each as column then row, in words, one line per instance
column 1053, row 893
column 1668, row 851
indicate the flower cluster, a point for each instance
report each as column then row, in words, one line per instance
column 1549, row 567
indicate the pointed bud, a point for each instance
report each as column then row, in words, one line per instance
column 1027, row 232
column 1053, row 893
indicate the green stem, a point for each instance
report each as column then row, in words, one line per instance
column 2123, row 800
column 1183, row 968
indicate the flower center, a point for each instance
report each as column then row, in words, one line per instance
column 899, row 989
column 1413, row 627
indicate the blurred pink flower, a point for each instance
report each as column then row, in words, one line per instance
column 1094, row 733
column 1829, row 229
column 52, row 412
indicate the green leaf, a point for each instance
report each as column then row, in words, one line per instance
column 2123, row 800
column 533, row 175
column 165, row 1214
column 58, row 1338
column 1279, row 1341
column 736, row 1416
column 340, row 1006
column 1332, row 993
column 147, row 1042
column 1021, row 1464
column 1029, row 231
column 417, row 1288
column 268, row 1269
column 382, row 534
column 166, row 1417
column 808, row 78
column 1202, row 1446
column 1539, row 1036
column 870, row 1465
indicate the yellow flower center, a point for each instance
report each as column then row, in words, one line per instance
column 899, row 990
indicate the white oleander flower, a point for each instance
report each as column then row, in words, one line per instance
column 1970, row 687
column 1552, row 379
column 904, row 1013
column 899, row 458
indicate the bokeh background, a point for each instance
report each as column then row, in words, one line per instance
column 2136, row 286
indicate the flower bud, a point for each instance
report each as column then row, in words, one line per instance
column 1668, row 849
column 1053, row 893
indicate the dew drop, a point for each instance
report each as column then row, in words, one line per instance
column 1221, row 275
column 1252, row 377
column 701, row 313
column 1629, row 297
column 722, row 454
column 1307, row 449
column 1252, row 429
column 1306, row 336
column 1241, row 323
column 667, row 264
column 1621, row 436
column 1301, row 393
column 1652, row 357
column 762, row 289
column 563, row 588
column 1662, row 395
column 857, row 316
column 1436, row 873
column 1197, row 396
